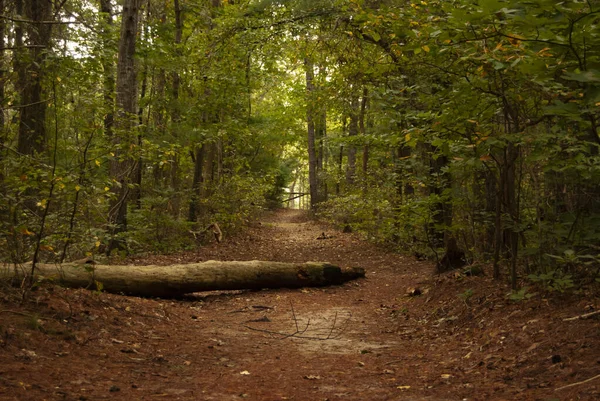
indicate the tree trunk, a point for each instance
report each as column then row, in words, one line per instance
column 174, row 181
column 3, row 135
column 313, row 162
column 320, row 137
column 176, row 280
column 120, row 165
column 138, row 168
column 352, row 133
column 32, row 125
column 108, row 67
column 363, row 132
column 197, row 181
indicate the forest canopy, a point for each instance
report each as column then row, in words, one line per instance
column 459, row 131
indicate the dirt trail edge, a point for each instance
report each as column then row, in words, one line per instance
column 460, row 339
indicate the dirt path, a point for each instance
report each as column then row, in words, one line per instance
column 366, row 340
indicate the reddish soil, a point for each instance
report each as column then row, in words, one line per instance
column 461, row 339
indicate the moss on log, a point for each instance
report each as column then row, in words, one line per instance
column 175, row 280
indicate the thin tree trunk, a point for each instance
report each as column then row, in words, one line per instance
column 361, row 125
column 491, row 193
column 139, row 165
column 352, row 133
column 313, row 163
column 320, row 138
column 2, row 94
column 176, row 112
column 197, row 181
column 340, row 159
column 108, row 67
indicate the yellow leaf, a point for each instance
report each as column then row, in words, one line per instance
column 426, row 48
column 498, row 46
column 25, row 231
column 77, row 188
column 392, row 35
column 407, row 137
column 97, row 244
column 46, row 248
column 97, row 162
column 545, row 49
column 106, row 188
column 403, row 387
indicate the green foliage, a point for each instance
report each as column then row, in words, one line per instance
column 521, row 295
column 34, row 323
column 156, row 229
column 282, row 178
column 466, row 296
column 371, row 216
column 554, row 280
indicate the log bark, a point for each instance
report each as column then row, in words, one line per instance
column 175, row 280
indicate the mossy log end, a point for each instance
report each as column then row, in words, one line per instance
column 175, row 280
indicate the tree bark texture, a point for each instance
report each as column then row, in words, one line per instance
column 2, row 93
column 197, row 182
column 352, row 133
column 121, row 164
column 32, row 124
column 176, row 280
column 108, row 67
column 313, row 161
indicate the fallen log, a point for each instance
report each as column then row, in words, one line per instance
column 175, row 280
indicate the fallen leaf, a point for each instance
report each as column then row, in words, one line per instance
column 245, row 373
column 446, row 376
column 312, row 377
column 403, row 387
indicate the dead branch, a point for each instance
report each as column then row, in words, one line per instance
column 215, row 230
column 584, row 316
column 578, row 383
column 14, row 312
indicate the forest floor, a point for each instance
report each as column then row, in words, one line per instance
column 461, row 339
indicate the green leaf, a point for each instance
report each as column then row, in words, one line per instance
column 583, row 76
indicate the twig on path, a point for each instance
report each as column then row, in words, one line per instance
column 334, row 332
column 584, row 316
column 578, row 383
column 294, row 315
column 14, row 312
